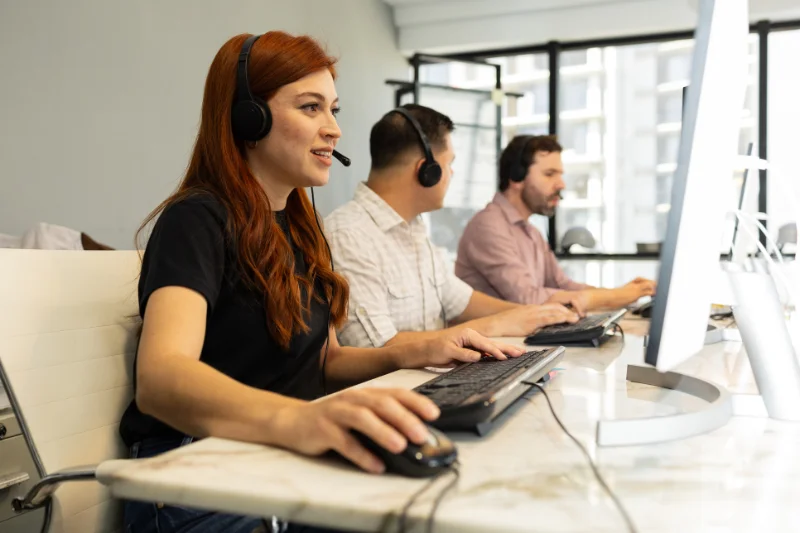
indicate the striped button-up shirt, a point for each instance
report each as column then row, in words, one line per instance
column 398, row 280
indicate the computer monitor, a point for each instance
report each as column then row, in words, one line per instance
column 706, row 161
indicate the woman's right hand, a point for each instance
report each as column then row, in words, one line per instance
column 390, row 417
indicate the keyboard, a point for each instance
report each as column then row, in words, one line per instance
column 472, row 395
column 591, row 329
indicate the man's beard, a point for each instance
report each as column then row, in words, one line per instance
column 540, row 208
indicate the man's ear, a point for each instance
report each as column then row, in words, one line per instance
column 516, row 186
column 418, row 167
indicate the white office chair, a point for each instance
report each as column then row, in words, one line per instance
column 67, row 339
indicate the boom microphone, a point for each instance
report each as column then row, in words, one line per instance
column 342, row 159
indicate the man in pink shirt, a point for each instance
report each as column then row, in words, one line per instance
column 503, row 255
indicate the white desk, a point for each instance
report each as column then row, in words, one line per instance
column 526, row 476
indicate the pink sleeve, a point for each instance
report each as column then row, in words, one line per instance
column 492, row 251
column 559, row 278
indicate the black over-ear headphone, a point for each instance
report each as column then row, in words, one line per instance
column 518, row 167
column 430, row 172
column 251, row 119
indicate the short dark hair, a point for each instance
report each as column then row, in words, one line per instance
column 510, row 156
column 393, row 136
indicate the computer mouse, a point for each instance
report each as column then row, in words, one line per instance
column 425, row 460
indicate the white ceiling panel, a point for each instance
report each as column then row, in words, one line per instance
column 449, row 26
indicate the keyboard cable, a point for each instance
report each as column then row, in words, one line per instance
column 614, row 498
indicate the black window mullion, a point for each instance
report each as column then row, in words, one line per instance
column 553, row 51
column 762, row 28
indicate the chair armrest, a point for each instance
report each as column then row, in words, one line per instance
column 38, row 495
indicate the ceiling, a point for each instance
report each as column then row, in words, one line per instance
column 442, row 26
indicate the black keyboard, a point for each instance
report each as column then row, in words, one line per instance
column 591, row 329
column 474, row 394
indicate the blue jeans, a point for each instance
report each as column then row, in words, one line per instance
column 144, row 517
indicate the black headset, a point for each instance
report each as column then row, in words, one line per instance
column 430, row 172
column 251, row 118
column 518, row 167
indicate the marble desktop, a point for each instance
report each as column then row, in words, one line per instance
column 526, row 475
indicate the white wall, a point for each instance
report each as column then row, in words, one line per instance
column 100, row 99
column 442, row 26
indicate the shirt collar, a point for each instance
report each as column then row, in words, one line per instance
column 508, row 210
column 384, row 216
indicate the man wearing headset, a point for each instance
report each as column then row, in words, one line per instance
column 401, row 288
column 504, row 255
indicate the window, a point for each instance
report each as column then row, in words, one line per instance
column 475, row 138
column 620, row 114
column 783, row 119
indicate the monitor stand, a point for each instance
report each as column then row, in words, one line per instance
column 763, row 327
column 628, row 432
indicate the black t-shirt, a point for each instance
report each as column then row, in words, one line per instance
column 189, row 248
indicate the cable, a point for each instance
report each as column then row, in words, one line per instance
column 328, row 330
column 617, row 327
column 617, row 502
column 440, row 497
column 776, row 271
column 402, row 524
column 436, row 283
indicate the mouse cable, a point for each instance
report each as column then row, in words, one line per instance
column 403, row 527
column 617, row 327
column 614, row 498
column 440, row 497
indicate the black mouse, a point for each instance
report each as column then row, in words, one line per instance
column 425, row 460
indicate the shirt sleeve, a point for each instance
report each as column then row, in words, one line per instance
column 456, row 293
column 186, row 249
column 369, row 323
column 560, row 278
column 491, row 249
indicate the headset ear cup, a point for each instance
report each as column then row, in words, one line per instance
column 267, row 124
column 251, row 120
column 519, row 173
column 430, row 173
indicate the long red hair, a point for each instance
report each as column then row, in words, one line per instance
column 218, row 166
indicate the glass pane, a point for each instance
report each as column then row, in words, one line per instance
column 609, row 273
column 462, row 107
column 783, row 80
column 474, row 180
column 461, row 75
column 530, row 76
column 620, row 114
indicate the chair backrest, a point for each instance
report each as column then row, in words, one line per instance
column 67, row 339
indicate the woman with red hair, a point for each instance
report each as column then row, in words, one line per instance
column 238, row 296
